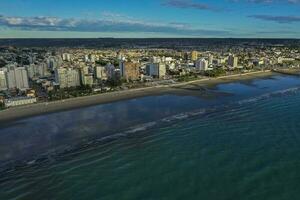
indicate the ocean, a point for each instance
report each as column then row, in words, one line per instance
column 241, row 143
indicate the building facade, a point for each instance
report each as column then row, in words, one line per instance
column 101, row 73
column 194, row 55
column 3, row 81
column 17, row 77
column 156, row 70
column 202, row 64
column 129, row 70
column 67, row 77
column 232, row 61
column 19, row 101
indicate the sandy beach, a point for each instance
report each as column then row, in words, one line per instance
column 176, row 89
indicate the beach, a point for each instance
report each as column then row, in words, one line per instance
column 185, row 88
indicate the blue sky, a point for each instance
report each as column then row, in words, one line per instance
column 149, row 18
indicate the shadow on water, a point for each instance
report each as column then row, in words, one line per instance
column 39, row 139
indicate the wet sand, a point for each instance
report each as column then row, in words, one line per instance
column 191, row 88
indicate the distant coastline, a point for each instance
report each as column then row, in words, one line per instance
column 21, row 112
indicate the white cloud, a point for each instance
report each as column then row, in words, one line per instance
column 108, row 22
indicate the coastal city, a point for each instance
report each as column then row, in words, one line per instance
column 149, row 99
column 32, row 75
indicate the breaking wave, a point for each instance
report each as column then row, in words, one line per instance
column 279, row 93
column 141, row 127
column 144, row 127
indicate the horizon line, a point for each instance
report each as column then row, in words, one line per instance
column 34, row 38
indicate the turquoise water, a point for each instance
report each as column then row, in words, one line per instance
column 242, row 146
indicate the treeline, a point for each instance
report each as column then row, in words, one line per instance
column 215, row 72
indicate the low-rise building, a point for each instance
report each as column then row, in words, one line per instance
column 19, row 101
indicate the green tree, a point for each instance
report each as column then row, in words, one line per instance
column 101, row 62
column 2, row 106
column 215, row 72
column 114, row 82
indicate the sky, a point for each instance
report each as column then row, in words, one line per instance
column 149, row 18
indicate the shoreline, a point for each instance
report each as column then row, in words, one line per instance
column 31, row 110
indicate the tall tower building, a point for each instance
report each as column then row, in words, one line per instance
column 210, row 59
column 110, row 71
column 11, row 79
column 67, row 77
column 129, row 70
column 157, row 70
column 101, row 73
column 21, row 78
column 194, row 55
column 3, row 82
column 202, row 64
column 233, row 61
column 17, row 77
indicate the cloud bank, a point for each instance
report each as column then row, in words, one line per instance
column 269, row 1
column 278, row 19
column 107, row 23
column 185, row 4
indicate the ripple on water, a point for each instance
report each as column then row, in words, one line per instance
column 248, row 150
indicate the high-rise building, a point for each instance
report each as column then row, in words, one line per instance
column 186, row 56
column 157, row 70
column 129, row 70
column 202, row 64
column 210, row 59
column 61, row 77
column 21, row 78
column 11, row 79
column 17, row 77
column 87, row 79
column 86, row 58
column 85, row 70
column 37, row 71
column 54, row 62
column 3, row 82
column 232, row 61
column 31, row 70
column 101, row 73
column 110, row 71
column 92, row 58
column 31, row 58
column 67, row 77
column 44, row 70
column 194, row 55
column 66, row 57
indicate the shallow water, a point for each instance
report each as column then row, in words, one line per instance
column 242, row 146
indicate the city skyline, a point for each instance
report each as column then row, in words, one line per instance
column 157, row 18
